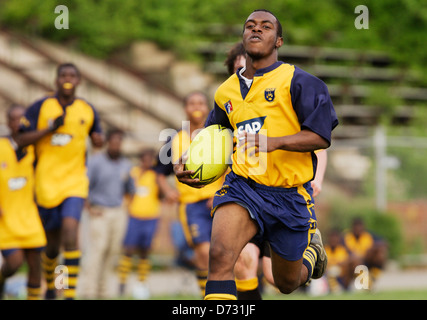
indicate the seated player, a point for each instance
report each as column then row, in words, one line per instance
column 366, row 249
column 338, row 272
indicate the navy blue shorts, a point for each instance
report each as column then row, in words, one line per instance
column 140, row 232
column 52, row 217
column 196, row 222
column 7, row 252
column 285, row 216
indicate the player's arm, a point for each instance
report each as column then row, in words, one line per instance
column 218, row 116
column 303, row 141
column 322, row 160
column 29, row 134
column 25, row 138
column 171, row 194
column 95, row 133
column 163, row 170
column 130, row 184
column 316, row 115
column 93, row 173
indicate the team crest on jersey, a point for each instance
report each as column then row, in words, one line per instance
column 251, row 125
column 269, row 94
column 228, row 106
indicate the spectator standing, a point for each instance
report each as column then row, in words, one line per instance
column 110, row 181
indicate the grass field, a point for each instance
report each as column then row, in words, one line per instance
column 382, row 295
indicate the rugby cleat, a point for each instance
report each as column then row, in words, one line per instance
column 322, row 259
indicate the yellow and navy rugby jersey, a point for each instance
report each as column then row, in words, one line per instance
column 282, row 100
column 61, row 155
column 336, row 255
column 145, row 203
column 20, row 224
column 360, row 245
column 179, row 143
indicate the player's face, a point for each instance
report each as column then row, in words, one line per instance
column 260, row 35
column 358, row 229
column 115, row 145
column 14, row 119
column 67, row 81
column 197, row 108
column 147, row 160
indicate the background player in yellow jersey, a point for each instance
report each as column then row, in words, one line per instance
column 22, row 237
column 59, row 126
column 339, row 271
column 366, row 249
column 195, row 204
column 144, row 212
column 281, row 115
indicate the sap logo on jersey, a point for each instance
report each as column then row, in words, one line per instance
column 16, row 183
column 251, row 125
column 60, row 139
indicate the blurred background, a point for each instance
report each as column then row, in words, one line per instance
column 138, row 58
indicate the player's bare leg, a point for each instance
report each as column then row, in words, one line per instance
column 246, row 272
column 267, row 270
column 34, row 274
column 10, row 265
column 289, row 275
column 201, row 261
column 232, row 228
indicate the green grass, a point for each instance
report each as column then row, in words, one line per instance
column 382, row 295
column 420, row 294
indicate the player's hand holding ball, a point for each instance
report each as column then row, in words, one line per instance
column 207, row 158
column 185, row 176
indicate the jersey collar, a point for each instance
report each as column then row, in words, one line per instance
column 67, row 105
column 259, row 73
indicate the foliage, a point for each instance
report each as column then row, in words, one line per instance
column 100, row 27
column 412, row 169
column 382, row 224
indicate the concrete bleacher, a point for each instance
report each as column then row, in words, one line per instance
column 141, row 105
column 123, row 99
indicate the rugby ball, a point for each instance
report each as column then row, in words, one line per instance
column 209, row 154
